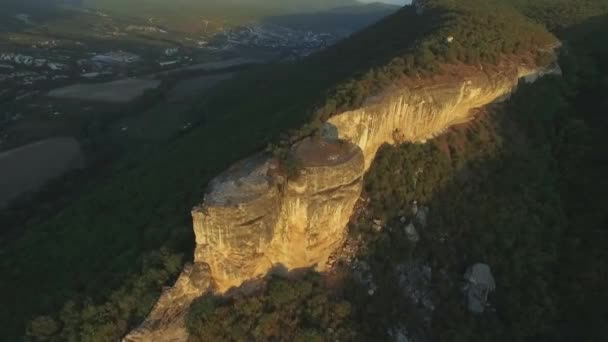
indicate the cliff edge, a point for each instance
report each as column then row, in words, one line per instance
column 254, row 219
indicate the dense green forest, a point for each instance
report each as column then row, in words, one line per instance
column 527, row 200
column 343, row 19
column 287, row 310
column 96, row 267
column 521, row 188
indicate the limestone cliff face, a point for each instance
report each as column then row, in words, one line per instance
column 253, row 219
column 318, row 204
column 236, row 223
column 417, row 114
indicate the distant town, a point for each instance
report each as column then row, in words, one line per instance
column 33, row 71
column 52, row 60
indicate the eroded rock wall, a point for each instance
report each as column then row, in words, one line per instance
column 417, row 114
column 237, row 221
column 318, row 204
column 253, row 219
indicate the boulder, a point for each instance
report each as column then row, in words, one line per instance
column 479, row 284
column 412, row 233
column 421, row 217
column 378, row 226
column 362, row 272
column 399, row 335
column 415, row 282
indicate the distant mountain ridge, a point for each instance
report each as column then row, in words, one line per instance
column 347, row 18
column 336, row 16
column 213, row 5
column 206, row 7
column 149, row 202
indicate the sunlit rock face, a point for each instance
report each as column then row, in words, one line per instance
column 318, row 204
column 237, row 220
column 417, row 114
column 254, row 219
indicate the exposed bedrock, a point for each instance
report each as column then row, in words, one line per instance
column 420, row 113
column 237, row 221
column 253, row 219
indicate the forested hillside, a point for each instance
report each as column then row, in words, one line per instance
column 520, row 188
column 522, row 191
column 95, row 268
column 346, row 19
column 226, row 9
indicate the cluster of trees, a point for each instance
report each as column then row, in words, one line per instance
column 583, row 164
column 400, row 176
column 404, row 44
column 525, row 197
column 286, row 310
column 81, row 319
column 520, row 189
column 498, row 205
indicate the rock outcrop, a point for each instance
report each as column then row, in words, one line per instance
column 254, row 219
column 421, row 113
column 479, row 284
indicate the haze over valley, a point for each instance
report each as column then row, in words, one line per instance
column 74, row 68
column 297, row 170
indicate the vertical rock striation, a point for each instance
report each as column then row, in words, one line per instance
column 318, row 204
column 254, row 219
column 420, row 113
column 236, row 223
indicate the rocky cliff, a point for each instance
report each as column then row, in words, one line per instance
column 419, row 113
column 254, row 220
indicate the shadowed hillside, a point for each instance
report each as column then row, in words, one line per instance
column 97, row 266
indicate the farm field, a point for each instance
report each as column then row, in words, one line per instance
column 121, row 91
column 192, row 88
column 27, row 168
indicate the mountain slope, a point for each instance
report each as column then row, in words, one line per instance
column 346, row 19
column 104, row 234
column 521, row 188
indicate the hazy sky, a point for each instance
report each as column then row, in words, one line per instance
column 394, row 2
